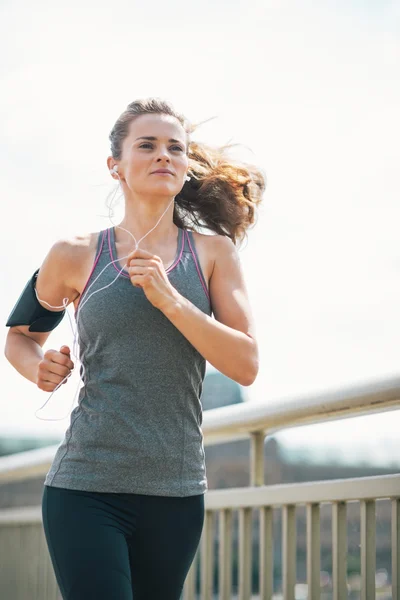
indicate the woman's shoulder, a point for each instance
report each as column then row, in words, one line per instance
column 64, row 267
column 75, row 247
column 213, row 243
column 72, row 255
column 209, row 247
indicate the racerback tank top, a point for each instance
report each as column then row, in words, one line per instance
column 137, row 425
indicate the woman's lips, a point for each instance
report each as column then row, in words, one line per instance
column 162, row 172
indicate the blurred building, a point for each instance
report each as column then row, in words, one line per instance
column 13, row 444
column 219, row 390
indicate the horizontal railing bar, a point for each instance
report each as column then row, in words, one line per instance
column 239, row 421
column 26, row 465
column 315, row 492
column 25, row 515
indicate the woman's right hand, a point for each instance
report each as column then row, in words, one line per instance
column 53, row 368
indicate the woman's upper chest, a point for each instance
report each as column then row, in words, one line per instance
column 89, row 250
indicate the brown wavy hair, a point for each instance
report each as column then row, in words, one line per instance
column 222, row 194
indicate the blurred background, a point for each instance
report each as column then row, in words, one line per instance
column 311, row 93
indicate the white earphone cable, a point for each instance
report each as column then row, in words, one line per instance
column 83, row 302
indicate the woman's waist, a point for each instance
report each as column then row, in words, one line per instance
column 127, row 408
column 135, row 436
column 111, row 389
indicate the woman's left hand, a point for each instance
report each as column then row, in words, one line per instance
column 147, row 271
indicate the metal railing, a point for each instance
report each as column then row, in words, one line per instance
column 21, row 538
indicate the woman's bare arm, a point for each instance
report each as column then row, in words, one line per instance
column 228, row 341
column 24, row 352
column 23, row 348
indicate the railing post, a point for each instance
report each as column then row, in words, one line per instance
column 396, row 549
column 266, row 553
column 368, row 550
column 257, row 458
column 207, row 557
column 189, row 588
column 313, row 551
column 225, row 554
column 245, row 553
column 288, row 551
column 339, row 550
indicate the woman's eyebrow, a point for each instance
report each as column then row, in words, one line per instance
column 152, row 138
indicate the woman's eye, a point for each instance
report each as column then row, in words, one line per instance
column 147, row 145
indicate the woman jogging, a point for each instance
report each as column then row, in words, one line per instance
column 123, row 501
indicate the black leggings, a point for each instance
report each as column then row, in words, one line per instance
column 107, row 546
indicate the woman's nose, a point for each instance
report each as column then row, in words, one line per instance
column 163, row 154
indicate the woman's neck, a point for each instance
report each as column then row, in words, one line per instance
column 151, row 224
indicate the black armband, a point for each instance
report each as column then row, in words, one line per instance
column 29, row 311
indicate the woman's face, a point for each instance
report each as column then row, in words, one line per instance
column 154, row 142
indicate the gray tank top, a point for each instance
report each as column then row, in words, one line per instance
column 137, row 425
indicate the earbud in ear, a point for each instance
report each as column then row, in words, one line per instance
column 114, row 170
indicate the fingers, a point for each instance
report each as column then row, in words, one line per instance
column 50, row 377
column 138, row 273
column 139, row 253
column 55, row 368
column 140, row 262
column 146, row 270
column 46, row 387
column 138, row 280
column 48, row 381
column 143, row 257
column 59, row 358
column 51, row 371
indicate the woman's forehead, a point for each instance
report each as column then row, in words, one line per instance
column 157, row 126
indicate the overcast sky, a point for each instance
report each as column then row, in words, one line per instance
column 311, row 90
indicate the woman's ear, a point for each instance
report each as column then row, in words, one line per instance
column 112, row 167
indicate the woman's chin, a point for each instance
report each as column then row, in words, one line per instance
column 164, row 189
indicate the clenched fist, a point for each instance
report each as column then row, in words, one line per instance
column 53, row 368
column 147, row 271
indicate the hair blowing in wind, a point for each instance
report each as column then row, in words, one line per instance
column 222, row 195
